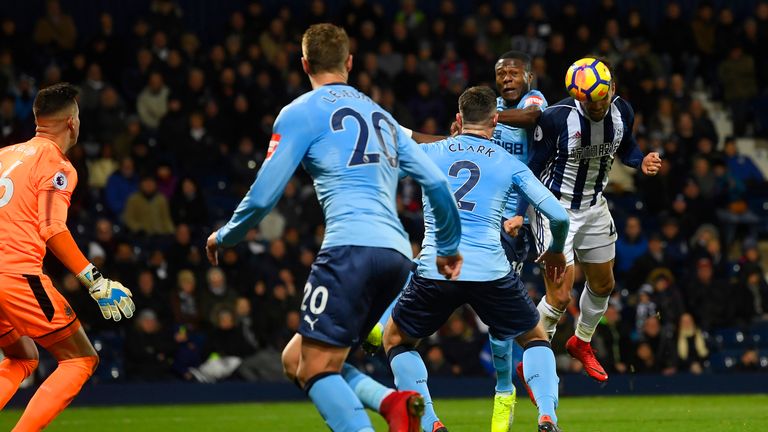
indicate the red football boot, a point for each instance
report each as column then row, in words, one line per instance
column 583, row 352
column 403, row 411
column 438, row 426
column 521, row 377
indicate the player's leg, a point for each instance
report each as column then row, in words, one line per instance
column 596, row 249
column 319, row 373
column 370, row 392
column 540, row 372
column 593, row 304
column 422, row 308
column 558, row 295
column 77, row 362
column 21, row 358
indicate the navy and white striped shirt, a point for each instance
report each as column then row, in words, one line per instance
column 572, row 154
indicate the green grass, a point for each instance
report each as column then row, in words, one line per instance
column 596, row 414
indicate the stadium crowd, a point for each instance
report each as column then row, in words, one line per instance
column 174, row 130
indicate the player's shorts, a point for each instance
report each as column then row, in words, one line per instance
column 348, row 290
column 504, row 305
column 591, row 234
column 517, row 248
column 31, row 306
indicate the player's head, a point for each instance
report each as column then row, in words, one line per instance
column 477, row 109
column 598, row 109
column 513, row 75
column 325, row 49
column 56, row 112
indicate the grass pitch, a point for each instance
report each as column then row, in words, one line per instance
column 594, row 414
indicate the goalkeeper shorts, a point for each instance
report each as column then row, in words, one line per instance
column 31, row 306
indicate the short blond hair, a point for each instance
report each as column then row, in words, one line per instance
column 325, row 47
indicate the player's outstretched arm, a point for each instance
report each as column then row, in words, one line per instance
column 113, row 298
column 421, row 138
column 524, row 118
column 292, row 135
column 415, row 163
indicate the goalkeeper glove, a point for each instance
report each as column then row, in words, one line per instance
column 111, row 296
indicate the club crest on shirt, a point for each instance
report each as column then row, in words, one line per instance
column 273, row 143
column 60, row 181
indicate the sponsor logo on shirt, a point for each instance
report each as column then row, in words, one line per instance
column 273, row 143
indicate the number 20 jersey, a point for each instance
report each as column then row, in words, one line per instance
column 355, row 152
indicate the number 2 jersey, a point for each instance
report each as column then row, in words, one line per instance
column 36, row 184
column 354, row 150
column 482, row 176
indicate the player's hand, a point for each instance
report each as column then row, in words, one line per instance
column 651, row 164
column 212, row 249
column 113, row 298
column 554, row 265
column 512, row 225
column 450, row 266
column 455, row 128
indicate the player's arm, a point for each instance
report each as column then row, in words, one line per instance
column 534, row 192
column 527, row 116
column 53, row 197
column 421, row 138
column 290, row 141
column 629, row 152
column 415, row 163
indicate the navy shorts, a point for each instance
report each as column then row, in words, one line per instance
column 348, row 290
column 503, row 304
column 517, row 248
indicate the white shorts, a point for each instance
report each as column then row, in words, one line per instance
column 592, row 233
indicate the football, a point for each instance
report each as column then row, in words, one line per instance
column 588, row 79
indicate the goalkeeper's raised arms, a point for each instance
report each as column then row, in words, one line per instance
column 113, row 298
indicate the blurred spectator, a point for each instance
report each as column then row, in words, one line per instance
column 10, row 126
column 146, row 211
column 692, row 351
column 148, row 349
column 120, row 185
column 99, row 170
column 461, row 345
column 217, row 295
column 737, row 73
column 185, row 301
column 56, row 30
column 612, row 342
column 152, row 103
column 709, row 299
column 740, row 166
column 630, row 246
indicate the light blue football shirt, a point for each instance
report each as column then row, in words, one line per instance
column 482, row 176
column 516, row 141
column 354, row 150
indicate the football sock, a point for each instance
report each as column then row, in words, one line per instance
column 592, row 308
column 541, row 376
column 337, row 403
column 502, row 362
column 411, row 374
column 550, row 316
column 56, row 392
column 12, row 373
column 368, row 390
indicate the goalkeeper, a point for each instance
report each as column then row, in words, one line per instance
column 36, row 184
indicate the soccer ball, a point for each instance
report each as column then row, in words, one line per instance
column 588, row 80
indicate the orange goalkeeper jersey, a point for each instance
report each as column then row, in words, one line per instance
column 36, row 184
